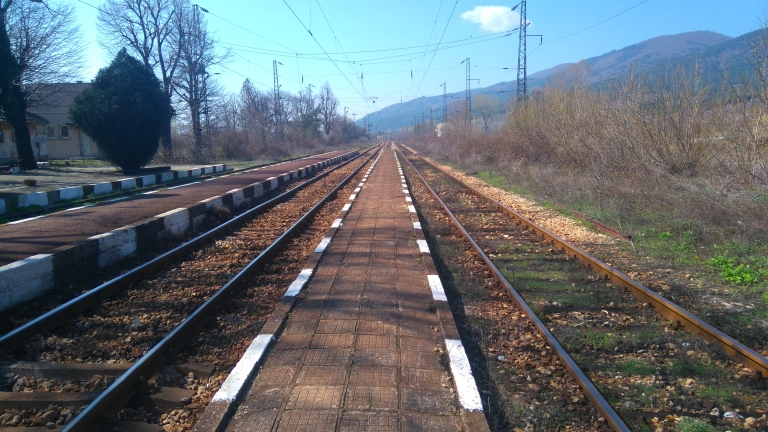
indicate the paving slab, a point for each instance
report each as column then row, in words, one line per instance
column 361, row 350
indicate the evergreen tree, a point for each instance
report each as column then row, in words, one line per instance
column 124, row 110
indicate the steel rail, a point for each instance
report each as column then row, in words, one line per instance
column 19, row 336
column 679, row 316
column 124, row 388
column 103, row 199
column 598, row 401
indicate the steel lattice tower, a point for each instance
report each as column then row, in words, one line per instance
column 468, row 95
column 278, row 114
column 445, row 105
column 522, row 76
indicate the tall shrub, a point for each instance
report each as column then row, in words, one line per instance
column 124, row 110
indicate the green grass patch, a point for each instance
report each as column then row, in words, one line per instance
column 740, row 263
column 572, row 337
column 688, row 424
column 721, row 394
column 634, row 367
column 493, row 179
column 686, row 366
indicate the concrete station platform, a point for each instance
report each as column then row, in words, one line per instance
column 98, row 236
column 22, row 240
column 364, row 338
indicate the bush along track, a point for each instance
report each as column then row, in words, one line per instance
column 655, row 375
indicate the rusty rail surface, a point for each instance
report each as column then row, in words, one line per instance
column 598, row 401
column 679, row 316
column 125, row 387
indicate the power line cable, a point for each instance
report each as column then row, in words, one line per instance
column 373, row 61
column 476, row 39
column 244, row 76
column 499, row 17
column 323, row 49
column 438, row 46
column 248, row 30
column 352, row 65
column 429, row 39
column 88, row 4
column 595, row 25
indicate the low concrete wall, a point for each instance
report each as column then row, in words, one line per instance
column 31, row 277
column 12, row 201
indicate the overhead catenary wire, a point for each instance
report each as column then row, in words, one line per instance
column 352, row 65
column 595, row 25
column 429, row 39
column 438, row 46
column 323, row 49
column 318, row 56
column 249, row 31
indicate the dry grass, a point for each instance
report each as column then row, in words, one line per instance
column 659, row 152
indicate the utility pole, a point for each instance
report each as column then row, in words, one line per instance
column 445, row 104
column 278, row 114
column 522, row 61
column 468, row 95
column 430, row 118
column 345, row 114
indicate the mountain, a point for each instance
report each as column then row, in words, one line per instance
column 711, row 52
column 662, row 48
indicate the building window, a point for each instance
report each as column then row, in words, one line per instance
column 64, row 131
column 50, row 132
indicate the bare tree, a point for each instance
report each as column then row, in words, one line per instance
column 194, row 84
column 255, row 114
column 747, row 111
column 83, row 145
column 328, row 106
column 487, row 107
column 147, row 28
column 39, row 44
column 47, row 42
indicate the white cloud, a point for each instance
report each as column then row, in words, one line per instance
column 493, row 18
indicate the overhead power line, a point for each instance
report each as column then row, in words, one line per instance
column 323, row 49
column 434, row 24
column 375, row 61
column 248, row 30
column 438, row 46
column 475, row 39
column 595, row 25
column 340, row 47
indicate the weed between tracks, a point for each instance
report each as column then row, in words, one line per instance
column 654, row 375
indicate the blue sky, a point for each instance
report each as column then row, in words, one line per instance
column 363, row 26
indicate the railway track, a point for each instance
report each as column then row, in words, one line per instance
column 150, row 331
column 654, row 364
